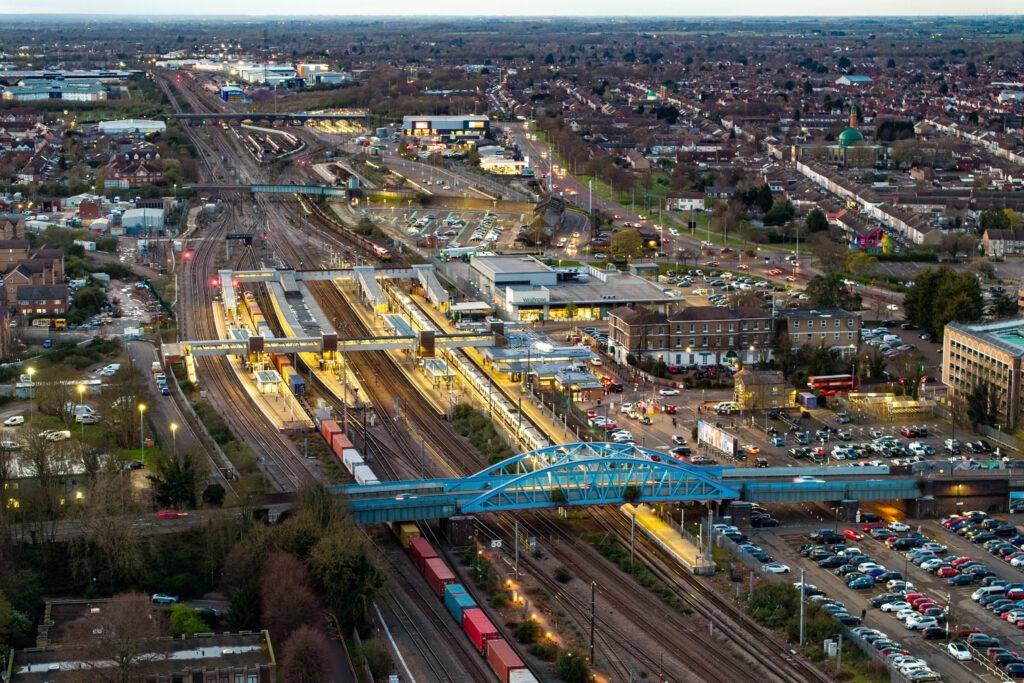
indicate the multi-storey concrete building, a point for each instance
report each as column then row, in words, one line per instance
column 986, row 352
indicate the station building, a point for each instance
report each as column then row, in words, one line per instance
column 522, row 288
column 447, row 128
column 986, row 352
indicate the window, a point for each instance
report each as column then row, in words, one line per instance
column 849, row 335
column 849, row 322
column 732, row 327
column 704, row 341
column 693, row 328
column 705, row 327
column 693, row 342
column 732, row 341
column 837, row 322
column 796, row 324
column 718, row 327
column 837, row 336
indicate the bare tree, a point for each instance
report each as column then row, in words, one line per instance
column 107, row 550
column 305, row 656
column 287, row 598
column 116, row 642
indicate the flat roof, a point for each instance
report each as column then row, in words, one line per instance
column 1007, row 335
column 503, row 265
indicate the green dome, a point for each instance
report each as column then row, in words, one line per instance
column 849, row 137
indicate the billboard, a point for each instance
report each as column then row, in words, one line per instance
column 421, row 125
column 716, row 438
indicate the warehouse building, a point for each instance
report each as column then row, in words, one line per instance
column 447, row 128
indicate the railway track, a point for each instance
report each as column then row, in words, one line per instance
column 750, row 655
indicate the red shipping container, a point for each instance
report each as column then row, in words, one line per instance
column 328, row 428
column 438, row 575
column 503, row 659
column 339, row 442
column 420, row 551
column 478, row 627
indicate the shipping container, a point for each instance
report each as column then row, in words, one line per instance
column 503, row 659
column 328, row 428
column 351, row 462
column 364, row 475
column 457, row 600
column 459, row 530
column 420, row 551
column 339, row 443
column 478, row 627
column 522, row 676
column 438, row 575
column 295, row 382
column 406, row 531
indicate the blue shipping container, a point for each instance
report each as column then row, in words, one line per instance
column 296, row 383
column 457, row 600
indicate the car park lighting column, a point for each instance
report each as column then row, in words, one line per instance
column 142, row 431
column 81, row 397
column 31, row 392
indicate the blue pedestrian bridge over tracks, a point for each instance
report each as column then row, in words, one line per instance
column 596, row 473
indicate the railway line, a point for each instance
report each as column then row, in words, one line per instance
column 747, row 655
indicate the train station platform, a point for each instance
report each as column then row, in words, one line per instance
column 669, row 539
column 280, row 408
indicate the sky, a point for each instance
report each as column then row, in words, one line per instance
column 506, row 8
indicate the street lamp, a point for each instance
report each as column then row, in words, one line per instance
column 81, row 393
column 142, row 437
column 174, row 438
column 31, row 392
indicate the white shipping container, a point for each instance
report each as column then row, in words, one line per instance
column 352, row 461
column 521, row 676
column 364, row 475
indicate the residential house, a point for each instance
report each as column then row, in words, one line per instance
column 684, row 201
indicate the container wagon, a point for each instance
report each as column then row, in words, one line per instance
column 420, row 551
column 406, row 531
column 457, row 600
column 479, row 628
column 503, row 659
column 438, row 575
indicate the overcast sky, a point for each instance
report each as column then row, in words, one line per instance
column 518, row 7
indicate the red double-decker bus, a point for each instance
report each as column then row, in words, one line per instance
column 830, row 384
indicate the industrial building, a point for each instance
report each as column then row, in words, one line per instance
column 447, row 128
column 985, row 352
column 128, row 126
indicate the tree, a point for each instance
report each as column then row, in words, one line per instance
column 286, row 598
column 117, row 642
column 861, row 263
column 626, row 243
column 982, row 404
column 305, row 656
column 993, row 218
column 781, row 212
column 175, row 481
column 816, row 221
column 571, row 667
column 942, row 295
column 1000, row 305
column 831, row 255
column 186, row 622
column 829, row 291
column 348, row 574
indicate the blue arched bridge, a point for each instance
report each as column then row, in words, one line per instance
column 595, row 473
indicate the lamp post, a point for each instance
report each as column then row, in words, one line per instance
column 81, row 394
column 142, row 431
column 31, row 392
column 174, row 439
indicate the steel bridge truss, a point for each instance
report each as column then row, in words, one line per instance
column 588, row 474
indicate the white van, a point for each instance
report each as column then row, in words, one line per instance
column 986, row 590
column 891, row 339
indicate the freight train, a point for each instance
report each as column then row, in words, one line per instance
column 310, row 208
column 486, row 639
column 346, row 453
